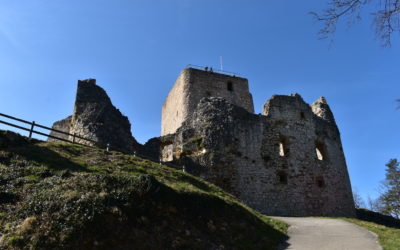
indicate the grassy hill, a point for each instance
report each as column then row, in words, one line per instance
column 64, row 196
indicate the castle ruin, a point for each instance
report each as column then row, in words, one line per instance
column 287, row 161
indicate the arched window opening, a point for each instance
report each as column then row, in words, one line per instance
column 320, row 181
column 302, row 115
column 283, row 146
column 283, row 178
column 177, row 113
column 208, row 93
column 229, row 86
column 320, row 150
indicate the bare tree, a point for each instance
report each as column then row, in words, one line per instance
column 358, row 200
column 373, row 204
column 386, row 17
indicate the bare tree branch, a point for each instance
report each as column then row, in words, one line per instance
column 386, row 17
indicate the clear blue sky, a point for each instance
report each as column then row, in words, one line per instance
column 136, row 49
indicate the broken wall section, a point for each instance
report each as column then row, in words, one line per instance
column 269, row 161
column 96, row 118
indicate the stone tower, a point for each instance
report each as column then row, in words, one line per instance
column 287, row 161
column 192, row 85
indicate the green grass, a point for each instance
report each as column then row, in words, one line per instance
column 79, row 195
column 389, row 238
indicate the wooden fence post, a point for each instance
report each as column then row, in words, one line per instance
column 73, row 138
column 31, row 131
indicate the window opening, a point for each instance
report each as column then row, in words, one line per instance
column 283, row 178
column 319, row 154
column 320, row 151
column 229, row 86
column 302, row 115
column 283, row 146
column 281, row 149
column 320, row 182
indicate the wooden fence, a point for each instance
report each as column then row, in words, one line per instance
column 32, row 131
column 96, row 144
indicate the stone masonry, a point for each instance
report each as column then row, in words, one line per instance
column 194, row 84
column 95, row 117
column 287, row 161
column 62, row 125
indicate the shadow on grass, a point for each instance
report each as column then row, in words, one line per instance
column 44, row 153
column 209, row 219
column 233, row 223
column 49, row 158
column 192, row 168
column 197, row 183
column 31, row 151
column 381, row 219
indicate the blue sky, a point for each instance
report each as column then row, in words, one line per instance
column 136, row 49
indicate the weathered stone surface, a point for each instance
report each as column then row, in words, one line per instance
column 151, row 149
column 269, row 161
column 321, row 108
column 95, row 118
column 287, row 161
column 64, row 126
column 192, row 85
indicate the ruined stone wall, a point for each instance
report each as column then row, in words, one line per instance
column 193, row 85
column 95, row 118
column 286, row 161
column 64, row 126
column 269, row 161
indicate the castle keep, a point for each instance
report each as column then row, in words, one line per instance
column 286, row 161
column 194, row 84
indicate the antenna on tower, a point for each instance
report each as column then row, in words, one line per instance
column 220, row 61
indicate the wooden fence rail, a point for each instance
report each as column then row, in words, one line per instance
column 32, row 131
column 97, row 144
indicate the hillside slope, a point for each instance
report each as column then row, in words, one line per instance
column 64, row 196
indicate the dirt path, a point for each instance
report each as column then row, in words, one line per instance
column 311, row 233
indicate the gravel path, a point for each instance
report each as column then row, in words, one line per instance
column 311, row 233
